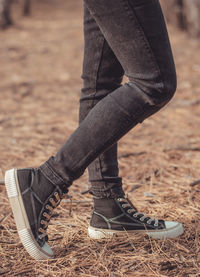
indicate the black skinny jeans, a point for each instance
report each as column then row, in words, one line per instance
column 121, row 37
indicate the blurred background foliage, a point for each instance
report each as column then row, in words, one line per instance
column 184, row 14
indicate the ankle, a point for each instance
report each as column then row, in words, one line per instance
column 107, row 190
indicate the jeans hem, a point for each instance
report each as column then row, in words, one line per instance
column 102, row 189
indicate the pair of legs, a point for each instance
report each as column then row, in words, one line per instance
column 121, row 37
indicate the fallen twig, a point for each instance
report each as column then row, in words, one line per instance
column 134, row 187
column 3, row 271
column 197, row 182
column 22, row 272
column 85, row 191
column 196, row 102
column 8, row 242
column 54, row 239
column 132, row 154
column 182, row 148
column 4, row 217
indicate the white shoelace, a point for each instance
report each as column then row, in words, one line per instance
column 136, row 213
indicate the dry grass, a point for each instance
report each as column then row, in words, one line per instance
column 40, row 82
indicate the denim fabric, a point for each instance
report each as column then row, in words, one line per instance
column 121, row 37
column 102, row 74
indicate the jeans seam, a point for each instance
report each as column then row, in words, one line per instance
column 92, row 104
column 132, row 15
column 100, row 165
column 97, row 71
column 121, row 108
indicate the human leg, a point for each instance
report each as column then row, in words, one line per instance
column 102, row 74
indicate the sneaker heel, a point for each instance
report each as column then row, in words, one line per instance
column 10, row 183
column 99, row 234
column 21, row 219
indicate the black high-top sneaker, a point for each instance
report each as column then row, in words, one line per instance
column 33, row 197
column 119, row 216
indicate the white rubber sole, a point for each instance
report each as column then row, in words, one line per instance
column 173, row 230
column 21, row 219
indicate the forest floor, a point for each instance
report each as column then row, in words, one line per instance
column 41, row 61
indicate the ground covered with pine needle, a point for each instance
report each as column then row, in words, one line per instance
column 41, row 61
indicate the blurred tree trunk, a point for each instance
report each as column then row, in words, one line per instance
column 184, row 14
column 27, row 7
column 5, row 17
column 5, row 11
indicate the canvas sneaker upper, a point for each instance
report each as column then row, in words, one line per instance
column 119, row 216
column 33, row 197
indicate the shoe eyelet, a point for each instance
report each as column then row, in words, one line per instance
column 119, row 199
column 134, row 215
column 43, row 222
column 148, row 222
column 129, row 211
column 156, row 224
column 56, row 195
column 141, row 219
column 123, row 206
